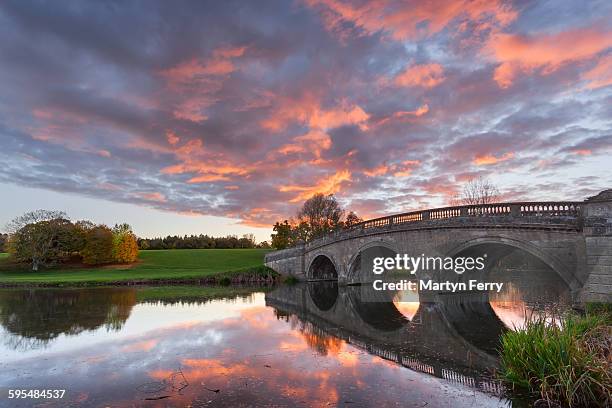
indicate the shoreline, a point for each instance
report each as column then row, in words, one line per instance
column 208, row 282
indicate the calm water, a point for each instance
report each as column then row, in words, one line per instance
column 302, row 345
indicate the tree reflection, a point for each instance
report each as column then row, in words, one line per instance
column 33, row 318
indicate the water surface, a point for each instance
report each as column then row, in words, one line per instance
column 301, row 345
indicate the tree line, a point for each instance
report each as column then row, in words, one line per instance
column 201, row 242
column 45, row 238
column 319, row 215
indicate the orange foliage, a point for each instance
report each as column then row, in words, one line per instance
column 125, row 247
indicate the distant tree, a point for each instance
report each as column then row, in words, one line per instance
column 98, row 245
column 281, row 238
column 125, row 244
column 264, row 245
column 3, row 242
column 352, row 219
column 477, row 191
column 144, row 243
column 40, row 237
column 322, row 214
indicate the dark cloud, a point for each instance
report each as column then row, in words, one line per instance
column 243, row 109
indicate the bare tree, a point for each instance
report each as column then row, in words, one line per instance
column 33, row 217
column 479, row 191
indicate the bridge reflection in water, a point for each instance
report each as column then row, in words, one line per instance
column 455, row 337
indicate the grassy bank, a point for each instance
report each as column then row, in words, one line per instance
column 210, row 266
column 566, row 364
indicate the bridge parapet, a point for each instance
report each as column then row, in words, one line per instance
column 543, row 214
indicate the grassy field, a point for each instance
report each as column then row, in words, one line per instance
column 211, row 265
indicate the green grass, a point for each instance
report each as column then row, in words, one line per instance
column 222, row 265
column 567, row 363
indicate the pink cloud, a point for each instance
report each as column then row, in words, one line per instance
column 425, row 76
column 487, row 159
column 411, row 19
column 308, row 111
column 545, row 53
column 600, row 75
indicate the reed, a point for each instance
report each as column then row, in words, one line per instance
column 565, row 360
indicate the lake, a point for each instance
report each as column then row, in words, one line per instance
column 294, row 345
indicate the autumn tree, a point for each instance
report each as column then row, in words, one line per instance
column 98, row 245
column 125, row 244
column 40, row 237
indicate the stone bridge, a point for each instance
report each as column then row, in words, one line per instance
column 572, row 238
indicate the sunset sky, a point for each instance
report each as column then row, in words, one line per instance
column 222, row 117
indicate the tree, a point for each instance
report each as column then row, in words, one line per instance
column 98, row 245
column 281, row 239
column 40, row 237
column 125, row 244
column 352, row 219
column 478, row 191
column 33, row 217
column 3, row 241
column 322, row 213
column 264, row 245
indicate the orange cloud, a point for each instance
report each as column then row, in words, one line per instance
column 405, row 115
column 519, row 53
column 491, row 159
column 402, row 169
column 425, row 76
column 409, row 20
column 328, row 185
column 206, row 165
column 314, row 142
column 308, row 111
column 377, row 171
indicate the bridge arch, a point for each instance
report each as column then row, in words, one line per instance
column 322, row 267
column 354, row 264
column 550, row 260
